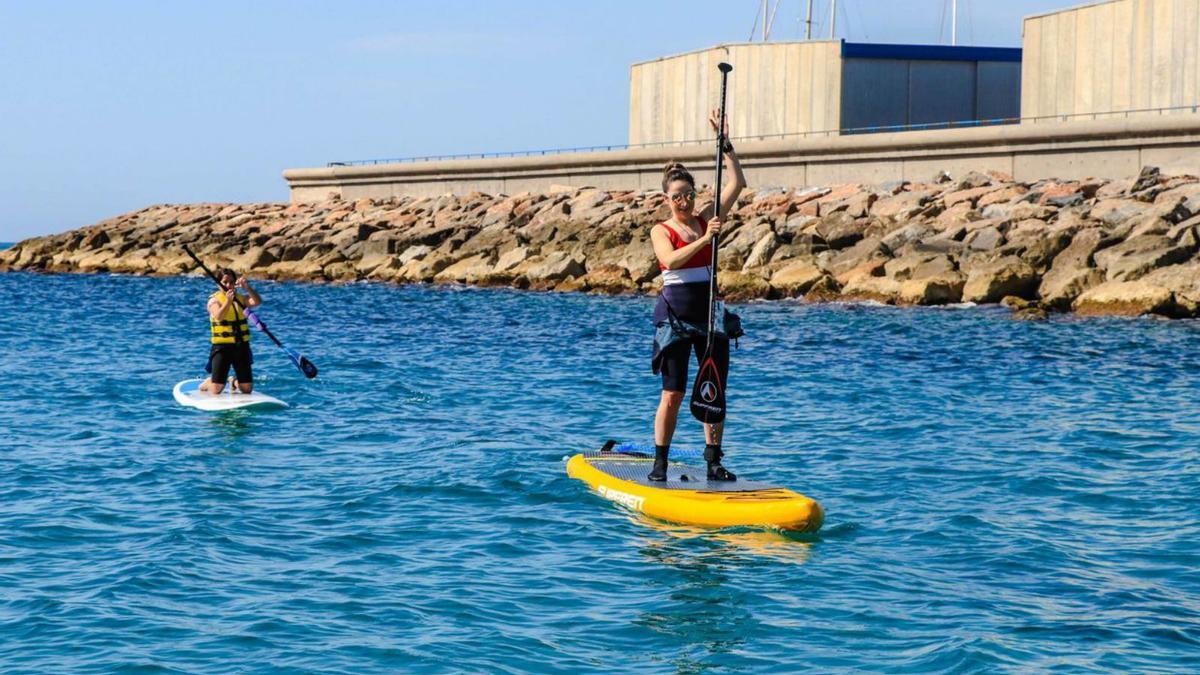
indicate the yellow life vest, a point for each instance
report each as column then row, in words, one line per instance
column 231, row 327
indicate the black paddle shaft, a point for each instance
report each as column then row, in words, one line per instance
column 708, row 391
column 725, row 68
column 235, row 297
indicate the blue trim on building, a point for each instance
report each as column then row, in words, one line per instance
column 865, row 50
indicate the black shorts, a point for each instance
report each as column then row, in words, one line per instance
column 675, row 362
column 223, row 356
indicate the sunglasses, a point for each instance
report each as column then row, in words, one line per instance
column 682, row 196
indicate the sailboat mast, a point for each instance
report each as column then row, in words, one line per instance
column 954, row 22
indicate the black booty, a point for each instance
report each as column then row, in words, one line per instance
column 713, row 455
column 659, row 472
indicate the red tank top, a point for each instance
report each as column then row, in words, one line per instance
column 701, row 258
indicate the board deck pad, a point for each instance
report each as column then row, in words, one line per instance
column 633, row 467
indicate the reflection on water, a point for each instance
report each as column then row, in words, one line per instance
column 728, row 544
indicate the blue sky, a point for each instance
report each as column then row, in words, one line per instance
column 112, row 106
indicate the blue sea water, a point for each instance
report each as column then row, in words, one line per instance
column 1000, row 495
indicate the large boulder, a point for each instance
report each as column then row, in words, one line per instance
column 1184, row 283
column 869, row 283
column 795, row 224
column 94, row 240
column 761, row 253
column 736, row 247
column 967, row 196
column 1072, row 272
column 840, row 230
column 1060, row 286
column 255, row 258
column 511, row 258
column 899, row 238
column 1125, row 298
column 1113, row 212
column 992, row 281
column 1137, row 256
column 423, row 269
column 1149, row 227
column 377, row 266
column 984, row 239
column 959, row 214
column 941, row 289
column 741, row 286
column 639, row 262
column 855, row 206
column 609, row 279
column 554, row 267
column 802, row 245
column 307, row 268
column 415, row 252
column 1002, row 196
column 919, row 265
column 797, row 278
column 902, row 206
column 466, row 270
column 864, row 251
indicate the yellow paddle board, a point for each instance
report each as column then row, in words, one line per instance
column 688, row 498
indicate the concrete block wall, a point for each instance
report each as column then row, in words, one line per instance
column 1118, row 56
column 775, row 88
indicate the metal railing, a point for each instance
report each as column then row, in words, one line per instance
column 849, row 131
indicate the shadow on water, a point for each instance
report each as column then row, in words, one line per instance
column 232, row 425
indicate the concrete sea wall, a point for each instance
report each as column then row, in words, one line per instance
column 1028, row 152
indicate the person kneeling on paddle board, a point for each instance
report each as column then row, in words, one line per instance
column 683, row 247
column 230, row 334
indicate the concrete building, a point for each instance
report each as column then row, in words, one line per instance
column 1114, row 85
column 796, row 88
column 1118, row 58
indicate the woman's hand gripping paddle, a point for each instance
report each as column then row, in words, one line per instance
column 307, row 367
column 708, row 392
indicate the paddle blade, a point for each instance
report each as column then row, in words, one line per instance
column 307, row 367
column 708, row 393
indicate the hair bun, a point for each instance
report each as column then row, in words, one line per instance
column 675, row 171
column 673, row 166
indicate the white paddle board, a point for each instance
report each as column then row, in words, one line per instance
column 188, row 393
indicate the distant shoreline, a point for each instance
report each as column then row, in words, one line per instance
column 1095, row 247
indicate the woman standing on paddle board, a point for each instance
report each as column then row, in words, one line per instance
column 684, row 250
column 230, row 334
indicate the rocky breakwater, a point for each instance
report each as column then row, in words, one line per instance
column 1125, row 247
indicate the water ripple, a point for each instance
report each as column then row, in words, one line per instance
column 1000, row 495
